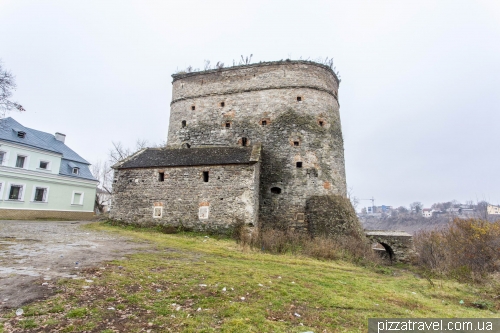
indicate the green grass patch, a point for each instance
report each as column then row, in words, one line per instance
column 190, row 283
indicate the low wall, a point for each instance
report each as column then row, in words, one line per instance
column 25, row 214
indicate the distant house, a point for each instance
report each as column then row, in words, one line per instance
column 493, row 210
column 427, row 212
column 41, row 177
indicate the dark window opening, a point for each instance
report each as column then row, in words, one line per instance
column 193, row 107
column 186, row 145
column 183, row 123
column 161, row 176
column 296, row 143
column 228, row 124
column 275, row 190
column 264, row 123
column 321, row 123
column 39, row 194
column 21, row 134
column 20, row 161
column 44, row 165
column 222, row 198
column 222, row 104
column 244, row 141
column 299, row 164
column 205, row 176
column 299, row 99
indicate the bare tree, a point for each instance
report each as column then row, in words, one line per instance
column 354, row 199
column 416, row 206
column 7, row 85
column 104, row 174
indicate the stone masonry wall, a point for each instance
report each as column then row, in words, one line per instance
column 290, row 107
column 230, row 195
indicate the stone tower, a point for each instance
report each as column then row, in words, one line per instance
column 291, row 107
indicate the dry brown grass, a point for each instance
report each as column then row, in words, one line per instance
column 341, row 247
column 468, row 250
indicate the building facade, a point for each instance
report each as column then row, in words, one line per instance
column 41, row 177
column 290, row 108
column 199, row 188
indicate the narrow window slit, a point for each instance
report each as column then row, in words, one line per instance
column 244, row 141
column 161, row 176
column 183, row 123
column 299, row 164
column 296, row 143
column 205, row 176
column 193, row 107
column 299, row 99
column 222, row 104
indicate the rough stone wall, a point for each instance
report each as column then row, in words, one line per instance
column 231, row 195
column 260, row 103
column 400, row 243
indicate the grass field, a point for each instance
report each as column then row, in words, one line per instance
column 194, row 283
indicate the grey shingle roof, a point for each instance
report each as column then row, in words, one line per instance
column 163, row 157
column 45, row 141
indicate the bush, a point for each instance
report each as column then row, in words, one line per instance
column 467, row 249
column 338, row 247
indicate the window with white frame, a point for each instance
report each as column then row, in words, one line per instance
column 157, row 212
column 20, row 161
column 3, row 157
column 77, row 198
column 44, row 165
column 76, row 171
column 1, row 190
column 16, row 192
column 40, row 194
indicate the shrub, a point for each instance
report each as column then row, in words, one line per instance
column 467, row 249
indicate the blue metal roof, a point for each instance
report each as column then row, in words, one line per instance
column 9, row 129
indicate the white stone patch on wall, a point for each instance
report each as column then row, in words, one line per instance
column 203, row 212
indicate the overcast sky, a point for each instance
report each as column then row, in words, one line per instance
column 419, row 97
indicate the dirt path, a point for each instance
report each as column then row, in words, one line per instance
column 34, row 254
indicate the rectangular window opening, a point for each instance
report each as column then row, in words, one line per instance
column 44, row 165
column 16, row 192
column 299, row 99
column 183, row 123
column 76, row 171
column 264, row 123
column 321, row 123
column 21, row 134
column 205, row 176
column 193, row 107
column 2, row 156
column 161, row 176
column 299, row 164
column 296, row 143
column 244, row 141
column 40, row 194
column 20, row 161
column 222, row 104
column 228, row 124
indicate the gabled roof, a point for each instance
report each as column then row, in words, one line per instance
column 9, row 129
column 36, row 139
column 165, row 157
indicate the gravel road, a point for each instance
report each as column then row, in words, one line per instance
column 34, row 254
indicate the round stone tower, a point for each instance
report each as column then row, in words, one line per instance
column 291, row 107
